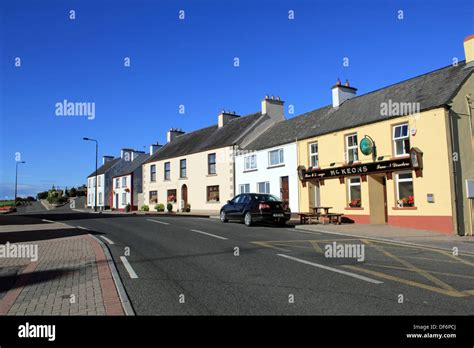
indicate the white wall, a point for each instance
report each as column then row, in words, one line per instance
column 101, row 199
column 272, row 175
column 121, row 190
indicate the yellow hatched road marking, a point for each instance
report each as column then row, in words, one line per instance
column 457, row 258
column 265, row 244
column 407, row 269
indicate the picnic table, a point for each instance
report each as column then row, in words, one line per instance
column 316, row 215
column 317, row 210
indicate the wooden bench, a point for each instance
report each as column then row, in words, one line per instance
column 307, row 217
column 334, row 218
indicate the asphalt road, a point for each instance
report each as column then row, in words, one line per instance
column 189, row 266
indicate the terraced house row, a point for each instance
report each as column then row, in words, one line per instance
column 401, row 155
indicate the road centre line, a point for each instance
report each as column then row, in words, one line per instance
column 47, row 220
column 128, row 267
column 350, row 274
column 107, row 240
column 83, row 228
column 159, row 222
column 209, row 234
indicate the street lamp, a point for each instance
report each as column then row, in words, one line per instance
column 96, row 154
column 16, row 178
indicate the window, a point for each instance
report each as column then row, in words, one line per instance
column 250, row 162
column 124, row 181
column 313, row 155
column 89, row 183
column 99, row 180
column 167, row 170
column 117, row 183
column 182, row 168
column 211, row 164
column 124, row 198
column 401, row 140
column 153, row 172
column 213, row 193
column 171, row 196
column 263, row 187
column 354, row 192
column 153, row 197
column 405, row 196
column 95, row 180
column 244, row 188
column 275, row 157
column 352, row 153
column 100, row 197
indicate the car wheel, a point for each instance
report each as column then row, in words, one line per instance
column 248, row 219
column 223, row 216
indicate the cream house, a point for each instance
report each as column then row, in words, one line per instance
column 196, row 170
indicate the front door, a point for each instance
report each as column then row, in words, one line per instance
column 284, row 189
column 184, row 196
column 116, row 200
column 377, row 199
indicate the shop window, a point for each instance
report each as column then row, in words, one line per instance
column 211, row 163
column 313, row 155
column 153, row 172
column 213, row 193
column 275, row 157
column 354, row 192
column 182, row 169
column 167, row 171
column 153, row 197
column 244, row 188
column 171, row 196
column 352, row 153
column 405, row 195
column 401, row 140
column 250, row 162
column 263, row 187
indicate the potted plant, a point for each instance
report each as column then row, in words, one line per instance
column 160, row 207
column 127, row 208
column 169, row 207
column 187, row 208
column 127, row 190
column 356, row 203
column 145, row 208
column 407, row 202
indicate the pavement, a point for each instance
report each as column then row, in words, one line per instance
column 170, row 265
column 67, row 275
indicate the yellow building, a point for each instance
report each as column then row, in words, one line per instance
column 417, row 136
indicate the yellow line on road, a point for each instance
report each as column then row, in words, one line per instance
column 451, row 293
column 265, row 244
column 316, row 247
column 457, row 258
column 407, row 269
column 413, row 267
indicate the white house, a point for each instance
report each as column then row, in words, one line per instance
column 269, row 170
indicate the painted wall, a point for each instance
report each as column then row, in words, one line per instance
column 197, row 180
column 273, row 175
column 430, row 138
column 101, row 194
column 123, row 190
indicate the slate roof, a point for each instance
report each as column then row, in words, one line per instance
column 431, row 90
column 133, row 165
column 105, row 167
column 209, row 138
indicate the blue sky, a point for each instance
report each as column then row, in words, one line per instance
column 190, row 62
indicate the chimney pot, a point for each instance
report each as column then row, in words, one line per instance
column 346, row 83
column 338, row 82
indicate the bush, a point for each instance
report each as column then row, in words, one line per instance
column 42, row 195
column 127, row 207
column 169, row 207
column 160, row 207
column 145, row 208
column 187, row 209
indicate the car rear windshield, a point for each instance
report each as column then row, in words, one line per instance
column 266, row 198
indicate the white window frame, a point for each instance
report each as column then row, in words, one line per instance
column 281, row 157
column 99, row 181
column 100, row 198
column 124, row 181
column 250, row 162
column 124, row 198
column 400, row 138
column 244, row 188
column 314, row 155
column 267, row 186
column 352, row 148
column 117, row 183
column 397, row 187
column 153, row 172
column 350, row 184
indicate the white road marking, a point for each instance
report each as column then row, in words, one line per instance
column 83, row 228
column 128, row 267
column 350, row 274
column 158, row 222
column 47, row 220
column 107, row 240
column 209, row 234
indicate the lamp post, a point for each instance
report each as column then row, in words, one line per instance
column 16, row 178
column 96, row 154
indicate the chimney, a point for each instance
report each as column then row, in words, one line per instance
column 173, row 133
column 341, row 93
column 224, row 117
column 154, row 148
column 106, row 158
column 469, row 49
column 273, row 107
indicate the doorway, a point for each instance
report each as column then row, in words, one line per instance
column 284, row 189
column 378, row 199
column 116, row 201
column 184, row 197
column 314, row 195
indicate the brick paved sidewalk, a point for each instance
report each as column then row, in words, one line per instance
column 70, row 277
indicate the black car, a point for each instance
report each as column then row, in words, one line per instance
column 256, row 207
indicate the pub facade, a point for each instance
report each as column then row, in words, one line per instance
column 409, row 170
